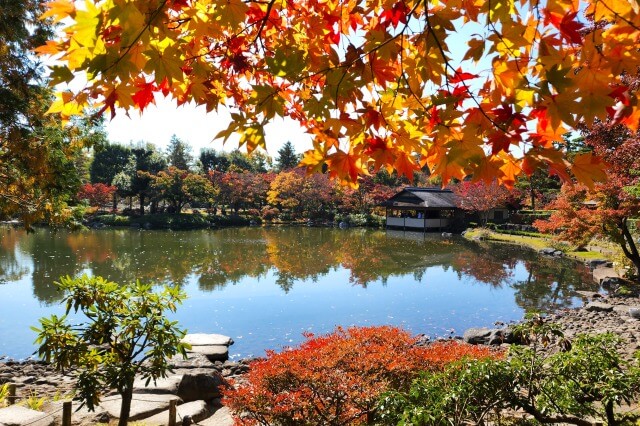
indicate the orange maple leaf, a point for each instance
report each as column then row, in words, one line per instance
column 588, row 169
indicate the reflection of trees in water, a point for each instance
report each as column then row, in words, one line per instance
column 217, row 258
column 11, row 268
column 551, row 283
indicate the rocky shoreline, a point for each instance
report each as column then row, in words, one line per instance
column 195, row 381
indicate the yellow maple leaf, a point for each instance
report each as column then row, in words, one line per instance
column 58, row 10
column 588, row 168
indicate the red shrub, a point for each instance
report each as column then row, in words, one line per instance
column 97, row 194
column 338, row 378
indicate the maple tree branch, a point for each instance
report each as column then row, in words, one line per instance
column 448, row 65
column 146, row 27
column 264, row 21
column 630, row 23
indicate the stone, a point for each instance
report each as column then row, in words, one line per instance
column 213, row 353
column 162, row 385
column 595, row 263
column 634, row 312
column 17, row 415
column 610, row 282
column 142, row 405
column 477, row 336
column 602, row 272
column 203, row 339
column 222, row 417
column 588, row 294
column 196, row 410
column 201, row 385
column 80, row 416
column 598, row 307
column 193, row 360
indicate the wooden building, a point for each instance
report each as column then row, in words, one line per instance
column 428, row 209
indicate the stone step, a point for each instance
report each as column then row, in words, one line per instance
column 16, row 415
column 196, row 410
column 203, row 339
column 162, row 385
column 142, row 406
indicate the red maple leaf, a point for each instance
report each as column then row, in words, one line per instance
column 143, row 97
column 567, row 25
column 461, row 76
column 398, row 13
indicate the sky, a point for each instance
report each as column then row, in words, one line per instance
column 196, row 127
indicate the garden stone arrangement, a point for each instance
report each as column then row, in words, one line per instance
column 195, row 384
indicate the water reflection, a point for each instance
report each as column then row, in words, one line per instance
column 216, row 259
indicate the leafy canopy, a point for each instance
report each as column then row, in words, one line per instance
column 376, row 83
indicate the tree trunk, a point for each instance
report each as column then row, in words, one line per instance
column 629, row 247
column 115, row 203
column 141, row 196
column 125, row 408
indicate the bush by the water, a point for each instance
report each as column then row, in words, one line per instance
column 577, row 381
column 337, row 379
column 359, row 219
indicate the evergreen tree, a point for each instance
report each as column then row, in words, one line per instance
column 212, row 160
column 179, row 154
column 287, row 157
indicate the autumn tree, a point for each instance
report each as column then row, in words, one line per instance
column 480, row 197
column 97, row 194
column 582, row 214
column 149, row 160
column 38, row 176
column 180, row 187
column 376, row 83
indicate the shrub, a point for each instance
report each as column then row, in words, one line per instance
column 269, row 213
column 551, row 379
column 124, row 334
column 231, row 220
column 337, row 379
column 113, row 220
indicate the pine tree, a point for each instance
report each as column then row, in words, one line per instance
column 179, row 154
column 287, row 157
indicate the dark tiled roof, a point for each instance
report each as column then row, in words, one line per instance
column 423, row 197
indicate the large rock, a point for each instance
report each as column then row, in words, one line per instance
column 603, row 272
column 598, row 307
column 214, row 346
column 222, row 417
column 202, row 339
column 195, row 410
column 193, row 360
column 477, row 336
column 201, row 384
column 16, row 415
column 488, row 336
column 142, row 406
column 596, row 263
column 213, row 353
column 164, row 385
column 634, row 312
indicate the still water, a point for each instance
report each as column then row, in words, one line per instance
column 264, row 287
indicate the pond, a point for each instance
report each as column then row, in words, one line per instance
column 265, row 286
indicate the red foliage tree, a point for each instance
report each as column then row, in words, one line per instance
column 338, row 378
column 97, row 194
column 480, row 197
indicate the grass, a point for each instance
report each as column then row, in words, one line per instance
column 536, row 243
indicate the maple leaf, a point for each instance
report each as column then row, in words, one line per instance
column 345, row 166
column 383, row 71
column 58, row 10
column 567, row 25
column 144, row 96
column 461, row 76
column 589, row 169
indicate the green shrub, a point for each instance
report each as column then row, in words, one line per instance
column 230, row 220
column 113, row 220
column 572, row 383
column 173, row 221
